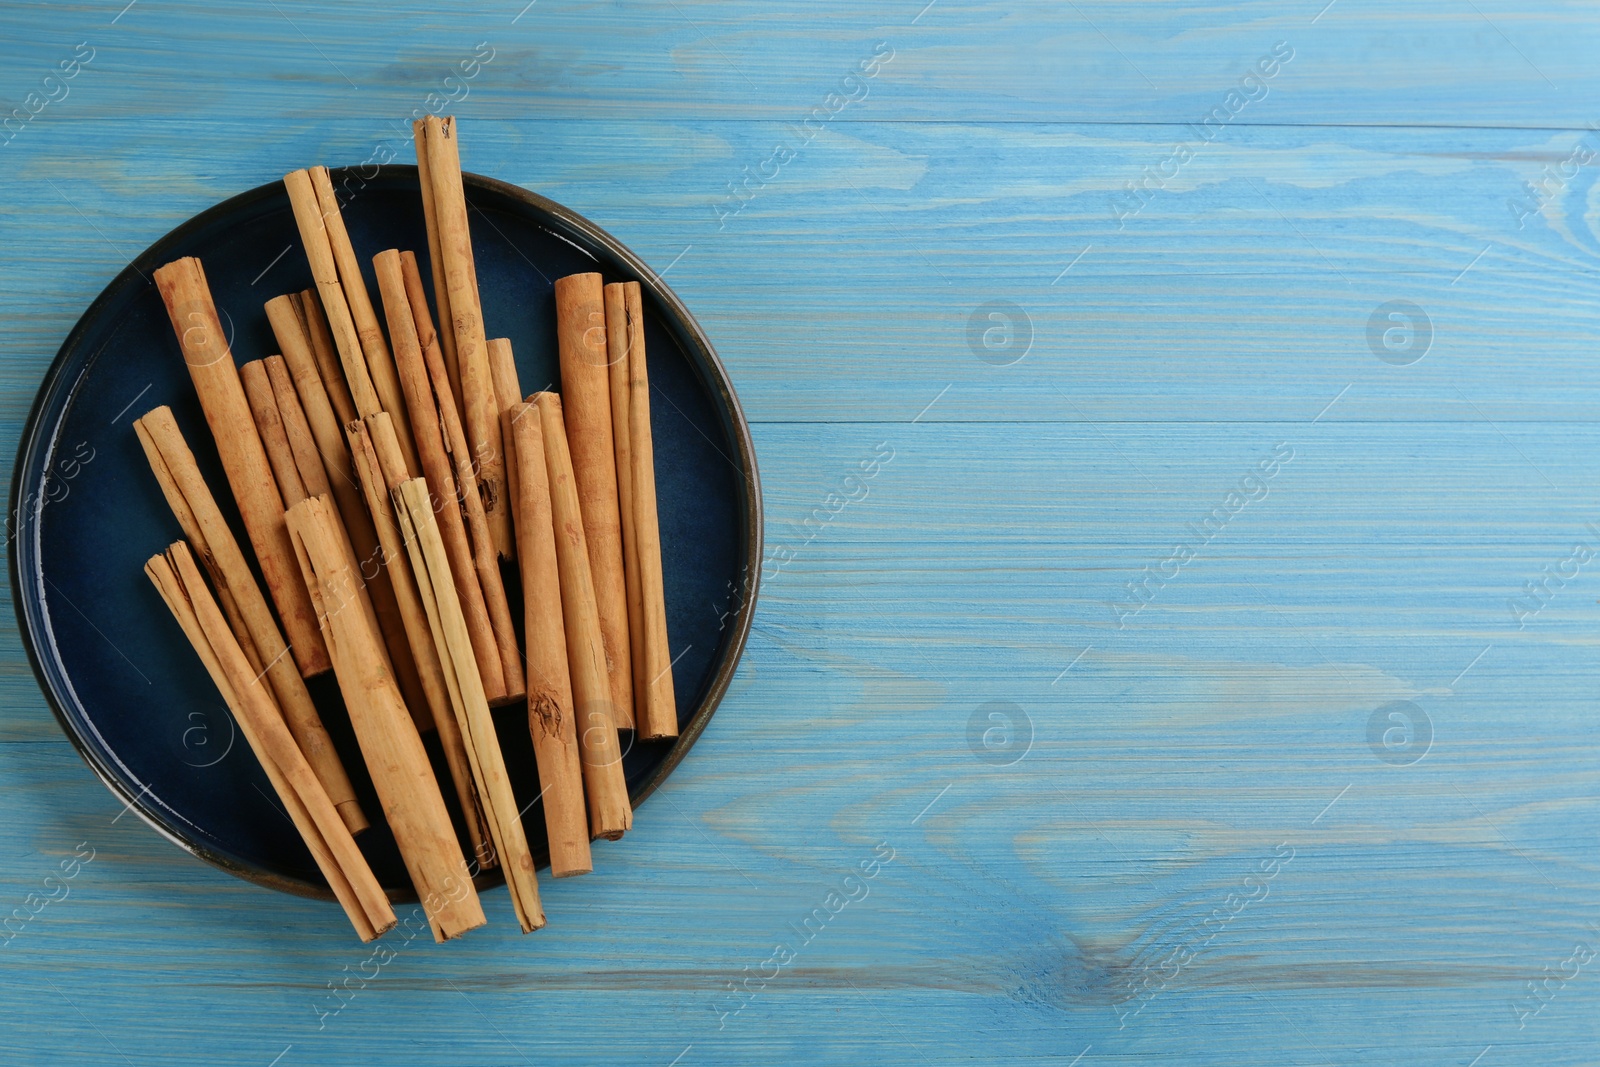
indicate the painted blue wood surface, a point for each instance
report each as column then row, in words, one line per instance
column 1200, row 858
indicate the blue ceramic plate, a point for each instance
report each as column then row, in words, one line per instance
column 125, row 685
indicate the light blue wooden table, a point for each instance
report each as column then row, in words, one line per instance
column 1181, row 650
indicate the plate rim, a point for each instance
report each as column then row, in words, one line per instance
column 142, row 265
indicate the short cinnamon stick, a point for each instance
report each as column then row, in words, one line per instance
column 609, row 811
column 550, row 714
column 247, row 611
column 216, row 380
column 655, row 702
column 389, row 741
column 586, row 396
column 309, row 807
column 429, row 562
column 269, row 424
column 320, row 335
column 481, row 413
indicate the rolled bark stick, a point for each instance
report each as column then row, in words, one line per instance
column 471, row 707
column 655, row 700
column 441, row 445
column 257, row 632
column 325, row 352
column 617, row 341
column 216, row 380
column 393, row 750
column 338, row 477
column 480, row 411
column 309, row 807
column 313, row 229
column 586, row 397
column 550, row 714
column 380, row 364
column 441, row 288
column 375, row 471
column 507, row 395
column 269, row 424
column 610, row 813
column 296, row 428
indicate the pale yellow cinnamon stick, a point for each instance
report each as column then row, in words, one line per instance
column 310, row 809
column 253, row 625
column 480, row 410
column 380, row 466
column 610, row 813
column 183, row 288
column 550, row 715
column 389, row 741
column 586, row 399
column 655, row 700
column 429, row 562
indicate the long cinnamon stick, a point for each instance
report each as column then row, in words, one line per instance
column 550, row 714
column 320, row 336
column 507, row 395
column 216, row 380
column 441, row 289
column 586, row 395
column 314, row 236
column 617, row 341
column 471, row 707
column 379, row 470
column 309, row 807
column 393, row 750
column 269, row 424
column 380, row 364
column 471, row 549
column 480, row 410
column 247, row 611
column 609, row 811
column 655, row 701
column 329, row 470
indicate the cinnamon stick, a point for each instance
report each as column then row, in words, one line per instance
column 609, row 811
column 329, row 470
column 380, row 364
column 337, row 856
column 379, row 469
column 216, row 381
column 429, row 562
column 655, row 701
column 550, row 714
column 269, row 424
column 586, row 394
column 441, row 289
column 481, row 413
column 507, row 395
column 309, row 306
column 389, row 741
column 448, row 467
column 247, row 611
column 314, row 236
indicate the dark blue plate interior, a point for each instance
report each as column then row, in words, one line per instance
column 126, row 686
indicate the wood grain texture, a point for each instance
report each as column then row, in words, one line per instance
column 951, row 531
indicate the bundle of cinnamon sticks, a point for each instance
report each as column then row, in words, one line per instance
column 392, row 480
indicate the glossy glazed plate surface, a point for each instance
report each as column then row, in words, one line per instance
column 86, row 512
